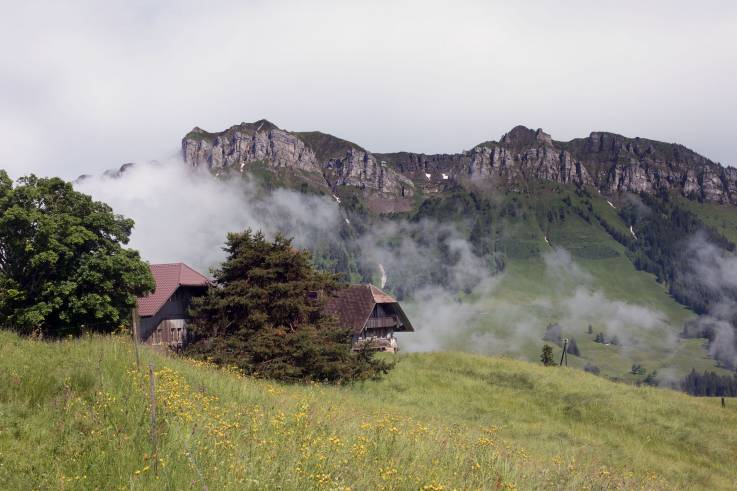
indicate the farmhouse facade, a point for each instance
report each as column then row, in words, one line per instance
column 372, row 315
column 162, row 315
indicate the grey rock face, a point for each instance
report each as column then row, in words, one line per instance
column 362, row 169
column 241, row 145
column 542, row 161
column 236, row 148
column 637, row 165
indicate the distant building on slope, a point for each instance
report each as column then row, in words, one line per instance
column 372, row 315
column 163, row 314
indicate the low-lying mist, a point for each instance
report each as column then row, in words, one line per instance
column 711, row 273
column 183, row 214
column 492, row 321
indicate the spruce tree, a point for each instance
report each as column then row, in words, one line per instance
column 572, row 348
column 262, row 318
column 547, row 356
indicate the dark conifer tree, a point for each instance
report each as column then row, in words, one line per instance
column 547, row 356
column 709, row 384
column 262, row 317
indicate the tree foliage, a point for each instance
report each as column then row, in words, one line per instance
column 265, row 316
column 709, row 384
column 663, row 231
column 63, row 269
column 546, row 357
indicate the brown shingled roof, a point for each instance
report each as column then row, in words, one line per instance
column 168, row 278
column 354, row 303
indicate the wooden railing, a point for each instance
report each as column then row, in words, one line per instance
column 382, row 322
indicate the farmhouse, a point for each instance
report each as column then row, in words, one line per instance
column 372, row 315
column 163, row 314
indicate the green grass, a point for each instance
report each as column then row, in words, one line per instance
column 271, row 178
column 74, row 415
column 722, row 217
column 326, row 146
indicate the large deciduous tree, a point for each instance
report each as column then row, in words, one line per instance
column 63, row 267
column 264, row 315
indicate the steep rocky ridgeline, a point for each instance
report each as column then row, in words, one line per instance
column 611, row 163
column 341, row 163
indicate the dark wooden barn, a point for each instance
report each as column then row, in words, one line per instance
column 372, row 315
column 163, row 314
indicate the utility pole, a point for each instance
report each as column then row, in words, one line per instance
column 564, row 356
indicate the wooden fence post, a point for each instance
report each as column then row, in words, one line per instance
column 134, row 326
column 152, row 396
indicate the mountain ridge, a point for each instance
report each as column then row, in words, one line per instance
column 609, row 162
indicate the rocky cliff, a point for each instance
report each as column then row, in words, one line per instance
column 610, row 163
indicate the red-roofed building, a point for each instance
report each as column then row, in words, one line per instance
column 372, row 315
column 163, row 314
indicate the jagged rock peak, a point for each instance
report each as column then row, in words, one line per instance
column 261, row 125
column 522, row 135
column 257, row 126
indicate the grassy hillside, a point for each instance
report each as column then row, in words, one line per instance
column 74, row 415
column 720, row 216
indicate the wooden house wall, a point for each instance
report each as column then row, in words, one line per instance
column 169, row 332
column 380, row 312
column 174, row 309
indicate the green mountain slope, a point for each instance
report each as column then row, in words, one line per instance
column 74, row 415
column 518, row 232
column 566, row 261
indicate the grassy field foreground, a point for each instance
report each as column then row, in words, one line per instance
column 75, row 415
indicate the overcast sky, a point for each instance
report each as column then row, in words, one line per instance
column 87, row 86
